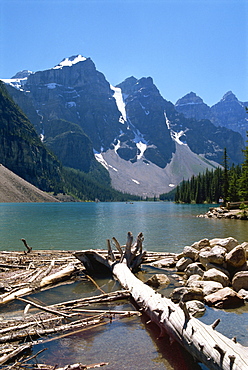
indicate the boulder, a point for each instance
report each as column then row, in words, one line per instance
column 243, row 293
column 222, row 268
column 182, row 264
column 158, row 280
column 191, row 253
column 165, row 262
column 201, row 244
column 194, row 268
column 196, row 308
column 215, row 255
column 208, row 287
column 186, row 294
column 193, row 278
column 245, row 246
column 224, row 298
column 216, row 275
column 240, row 281
column 227, row 243
column 236, row 257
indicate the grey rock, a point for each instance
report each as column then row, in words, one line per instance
column 227, row 243
column 191, row 253
column 194, row 268
column 236, row 257
column 186, row 294
column 196, row 308
column 224, row 298
column 216, row 275
column 182, row 264
column 208, row 287
column 203, row 243
column 158, row 280
column 240, row 281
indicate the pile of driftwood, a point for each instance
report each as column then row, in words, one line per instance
column 26, row 272
column 23, row 273
column 62, row 319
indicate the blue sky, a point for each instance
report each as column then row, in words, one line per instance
column 184, row 45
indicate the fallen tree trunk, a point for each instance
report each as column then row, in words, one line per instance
column 207, row 345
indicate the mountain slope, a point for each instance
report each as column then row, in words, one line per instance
column 21, row 150
column 13, row 189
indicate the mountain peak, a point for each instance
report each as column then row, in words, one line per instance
column 68, row 62
column 22, row 74
column 190, row 98
column 229, row 96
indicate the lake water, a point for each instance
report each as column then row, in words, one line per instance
column 127, row 343
column 166, row 226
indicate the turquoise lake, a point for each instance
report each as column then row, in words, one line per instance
column 127, row 343
column 166, row 226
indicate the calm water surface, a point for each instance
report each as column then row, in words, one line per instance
column 166, row 226
column 127, row 343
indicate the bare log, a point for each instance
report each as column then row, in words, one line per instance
column 43, row 308
column 39, row 330
column 210, row 347
column 47, row 280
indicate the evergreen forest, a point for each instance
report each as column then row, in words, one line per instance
column 229, row 183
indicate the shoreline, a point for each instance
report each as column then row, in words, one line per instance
column 223, row 212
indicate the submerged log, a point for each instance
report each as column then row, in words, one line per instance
column 207, row 345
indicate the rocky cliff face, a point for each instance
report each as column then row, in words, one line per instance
column 21, row 150
column 147, row 146
column 229, row 112
column 192, row 106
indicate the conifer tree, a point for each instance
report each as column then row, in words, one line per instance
column 225, row 176
column 243, row 182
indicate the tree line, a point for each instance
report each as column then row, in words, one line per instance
column 229, row 183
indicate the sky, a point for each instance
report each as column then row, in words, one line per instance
column 184, row 45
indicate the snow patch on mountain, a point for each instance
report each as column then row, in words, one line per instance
column 100, row 159
column 18, row 83
column 120, row 103
column 174, row 135
column 68, row 62
column 52, row 85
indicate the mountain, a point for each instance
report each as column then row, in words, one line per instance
column 27, row 158
column 229, row 112
column 146, row 145
column 192, row 106
column 21, row 150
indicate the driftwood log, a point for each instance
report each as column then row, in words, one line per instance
column 207, row 345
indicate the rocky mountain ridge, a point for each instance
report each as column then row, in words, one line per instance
column 147, row 146
column 229, row 112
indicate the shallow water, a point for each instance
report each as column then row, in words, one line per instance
column 124, row 343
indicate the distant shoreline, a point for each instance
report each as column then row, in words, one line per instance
column 223, row 212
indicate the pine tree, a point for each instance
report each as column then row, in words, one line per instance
column 225, row 176
column 243, row 182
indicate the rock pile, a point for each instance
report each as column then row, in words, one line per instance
column 223, row 212
column 215, row 272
